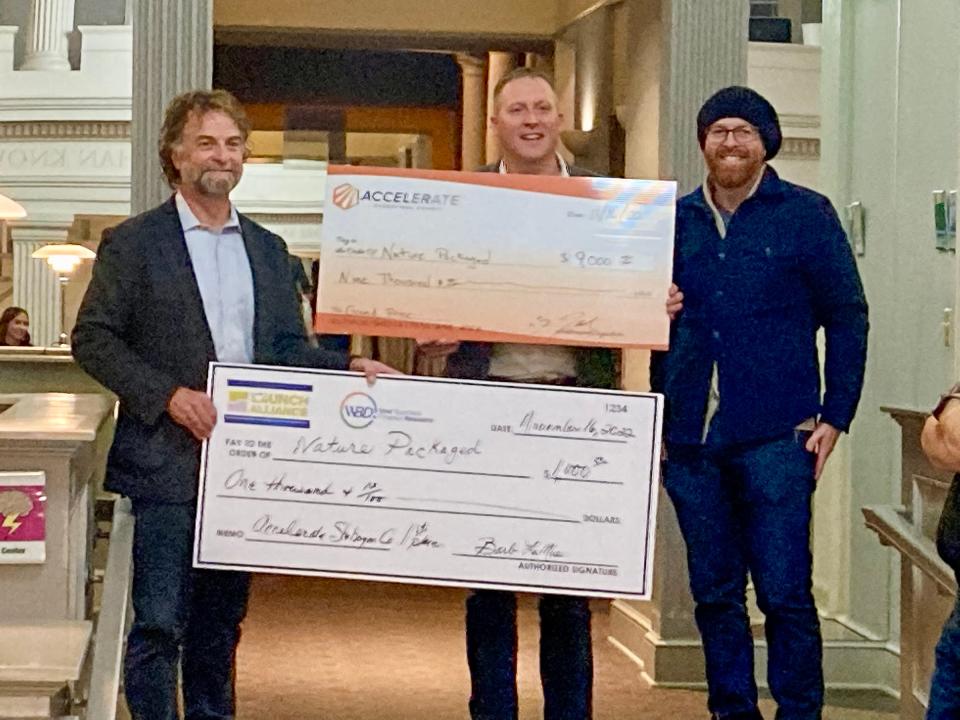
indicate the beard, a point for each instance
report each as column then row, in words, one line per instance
column 217, row 182
column 730, row 177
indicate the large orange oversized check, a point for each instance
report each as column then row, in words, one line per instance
column 483, row 256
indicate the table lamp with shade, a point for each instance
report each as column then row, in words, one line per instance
column 63, row 259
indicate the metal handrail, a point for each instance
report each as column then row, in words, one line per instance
column 113, row 617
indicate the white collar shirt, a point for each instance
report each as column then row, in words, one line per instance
column 222, row 270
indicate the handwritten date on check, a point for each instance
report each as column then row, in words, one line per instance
column 483, row 256
column 431, row 481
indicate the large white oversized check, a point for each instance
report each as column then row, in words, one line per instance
column 484, row 256
column 424, row 480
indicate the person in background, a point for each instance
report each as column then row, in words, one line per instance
column 15, row 327
column 940, row 440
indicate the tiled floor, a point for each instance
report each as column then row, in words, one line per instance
column 337, row 650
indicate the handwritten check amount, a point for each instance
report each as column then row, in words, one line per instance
column 483, row 256
column 535, row 488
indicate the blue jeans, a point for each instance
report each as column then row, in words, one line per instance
column 747, row 509
column 945, row 687
column 183, row 619
column 566, row 658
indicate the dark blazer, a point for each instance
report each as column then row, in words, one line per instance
column 142, row 332
column 596, row 367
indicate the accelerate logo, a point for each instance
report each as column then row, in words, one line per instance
column 358, row 410
column 346, row 196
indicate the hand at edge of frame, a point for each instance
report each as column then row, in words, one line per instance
column 822, row 441
column 193, row 410
column 674, row 302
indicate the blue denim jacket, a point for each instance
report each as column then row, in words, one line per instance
column 753, row 303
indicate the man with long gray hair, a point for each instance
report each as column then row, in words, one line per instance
column 173, row 289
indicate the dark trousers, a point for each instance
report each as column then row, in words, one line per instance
column 945, row 686
column 566, row 659
column 184, row 620
column 747, row 509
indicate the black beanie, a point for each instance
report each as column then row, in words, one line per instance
column 741, row 102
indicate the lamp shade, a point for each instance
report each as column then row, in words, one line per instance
column 63, row 258
column 11, row 209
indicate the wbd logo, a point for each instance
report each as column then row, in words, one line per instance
column 358, row 410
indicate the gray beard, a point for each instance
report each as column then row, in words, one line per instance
column 215, row 186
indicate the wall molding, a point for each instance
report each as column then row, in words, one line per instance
column 796, row 120
column 56, row 130
column 53, row 182
column 800, row 148
column 22, row 108
column 849, row 664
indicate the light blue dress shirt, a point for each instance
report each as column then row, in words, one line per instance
column 222, row 270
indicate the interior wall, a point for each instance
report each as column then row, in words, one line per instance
column 812, row 11
column 639, row 81
column 496, row 17
column 441, row 125
column 569, row 11
column 890, row 137
column 637, row 77
column 564, row 77
column 332, row 77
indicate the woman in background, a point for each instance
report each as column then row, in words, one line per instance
column 15, row 327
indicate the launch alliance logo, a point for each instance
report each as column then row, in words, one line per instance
column 358, row 410
column 266, row 403
column 346, row 196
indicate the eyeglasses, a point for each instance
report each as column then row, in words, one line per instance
column 742, row 134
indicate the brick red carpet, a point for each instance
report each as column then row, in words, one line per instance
column 335, row 650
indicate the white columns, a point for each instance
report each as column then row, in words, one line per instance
column 706, row 47
column 498, row 65
column 172, row 53
column 8, row 36
column 35, row 286
column 50, row 22
column 593, row 86
column 474, row 105
column 703, row 47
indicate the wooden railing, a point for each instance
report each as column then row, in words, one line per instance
column 113, row 618
column 927, row 584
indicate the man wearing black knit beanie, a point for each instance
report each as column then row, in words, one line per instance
column 763, row 264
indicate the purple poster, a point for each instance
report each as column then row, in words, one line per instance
column 23, row 501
